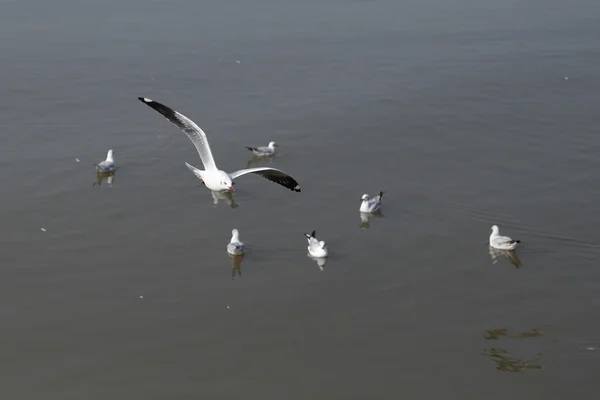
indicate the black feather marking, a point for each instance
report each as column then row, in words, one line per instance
column 280, row 178
column 167, row 112
column 515, row 241
column 381, row 195
column 313, row 234
column 251, row 148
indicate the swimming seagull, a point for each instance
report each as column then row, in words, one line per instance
column 212, row 177
column 108, row 164
column 501, row 242
column 371, row 205
column 264, row 151
column 316, row 248
column 235, row 247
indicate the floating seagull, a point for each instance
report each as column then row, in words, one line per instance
column 235, row 247
column 212, row 177
column 501, row 242
column 108, row 164
column 371, row 205
column 264, row 151
column 316, row 248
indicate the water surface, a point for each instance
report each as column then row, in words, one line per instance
column 460, row 111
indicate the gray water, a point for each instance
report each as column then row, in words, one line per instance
column 459, row 110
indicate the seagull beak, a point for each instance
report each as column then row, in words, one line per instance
column 232, row 188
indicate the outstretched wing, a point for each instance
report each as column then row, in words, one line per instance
column 189, row 127
column 272, row 174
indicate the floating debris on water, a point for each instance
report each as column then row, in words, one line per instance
column 43, row 229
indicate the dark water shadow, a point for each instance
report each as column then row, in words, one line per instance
column 510, row 255
column 101, row 176
column 504, row 360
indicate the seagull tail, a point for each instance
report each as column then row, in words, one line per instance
column 515, row 241
column 196, row 171
column 381, row 195
column 312, row 235
column 251, row 148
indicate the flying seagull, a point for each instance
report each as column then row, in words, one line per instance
column 212, row 177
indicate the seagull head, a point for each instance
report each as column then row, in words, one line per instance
column 495, row 229
column 273, row 144
column 365, row 197
column 109, row 155
column 227, row 184
column 322, row 244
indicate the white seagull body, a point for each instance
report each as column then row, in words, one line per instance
column 108, row 164
column 316, row 248
column 502, row 242
column 235, row 247
column 264, row 151
column 214, row 178
column 371, row 205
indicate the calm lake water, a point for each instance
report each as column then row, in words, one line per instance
column 461, row 111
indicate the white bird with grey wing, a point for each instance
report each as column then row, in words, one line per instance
column 212, row 177
column 316, row 248
column 235, row 247
column 107, row 165
column 370, row 205
column 502, row 242
column 264, row 151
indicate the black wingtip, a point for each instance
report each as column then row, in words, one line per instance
column 381, row 194
column 250, row 148
column 145, row 100
column 313, row 234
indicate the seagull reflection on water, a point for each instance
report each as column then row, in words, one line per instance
column 511, row 255
column 236, row 261
column 321, row 261
column 109, row 176
column 259, row 159
column 226, row 197
column 366, row 217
